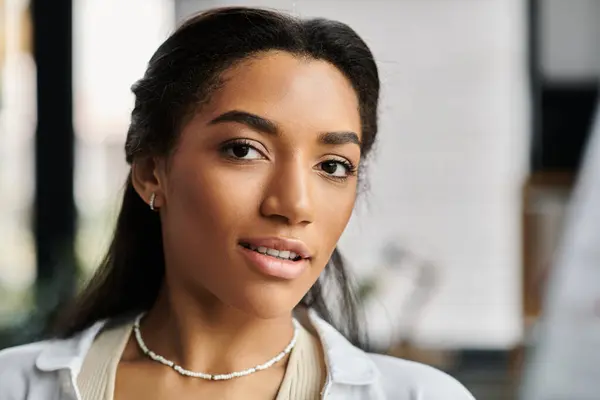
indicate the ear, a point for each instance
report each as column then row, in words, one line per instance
column 146, row 179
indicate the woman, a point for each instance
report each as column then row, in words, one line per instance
column 245, row 143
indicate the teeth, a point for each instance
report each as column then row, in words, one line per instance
column 284, row 254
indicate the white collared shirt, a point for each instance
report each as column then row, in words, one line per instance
column 48, row 371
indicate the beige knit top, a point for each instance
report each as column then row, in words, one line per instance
column 303, row 377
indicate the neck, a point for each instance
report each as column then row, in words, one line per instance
column 210, row 336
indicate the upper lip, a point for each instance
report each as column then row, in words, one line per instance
column 280, row 243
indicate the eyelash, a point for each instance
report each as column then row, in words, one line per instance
column 238, row 143
column 349, row 166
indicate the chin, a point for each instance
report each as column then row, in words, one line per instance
column 266, row 302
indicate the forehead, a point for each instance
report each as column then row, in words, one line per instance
column 291, row 90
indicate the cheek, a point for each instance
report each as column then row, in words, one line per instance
column 206, row 206
column 213, row 201
column 335, row 208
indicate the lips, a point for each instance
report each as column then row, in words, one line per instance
column 276, row 257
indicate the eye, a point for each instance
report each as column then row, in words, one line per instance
column 241, row 150
column 337, row 169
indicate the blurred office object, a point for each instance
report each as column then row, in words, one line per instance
column 2, row 41
column 564, row 70
column 54, row 215
column 395, row 295
column 561, row 224
column 403, row 286
column 17, row 127
column 564, row 362
column 545, row 200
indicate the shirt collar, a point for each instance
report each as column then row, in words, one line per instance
column 346, row 364
column 68, row 353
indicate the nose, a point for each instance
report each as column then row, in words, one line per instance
column 288, row 194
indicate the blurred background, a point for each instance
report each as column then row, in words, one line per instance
column 476, row 246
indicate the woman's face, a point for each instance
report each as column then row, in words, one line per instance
column 267, row 166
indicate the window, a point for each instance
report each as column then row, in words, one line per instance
column 17, row 127
column 113, row 41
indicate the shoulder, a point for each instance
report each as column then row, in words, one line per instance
column 17, row 369
column 32, row 369
column 21, row 357
column 388, row 377
column 422, row 381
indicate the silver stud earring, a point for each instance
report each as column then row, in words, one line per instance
column 152, row 199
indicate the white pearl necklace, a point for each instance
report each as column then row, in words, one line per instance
column 217, row 377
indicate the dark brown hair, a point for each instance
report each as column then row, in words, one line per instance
column 181, row 76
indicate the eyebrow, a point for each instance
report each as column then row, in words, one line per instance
column 252, row 120
column 269, row 127
column 337, row 138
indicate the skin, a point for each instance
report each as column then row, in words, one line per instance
column 216, row 313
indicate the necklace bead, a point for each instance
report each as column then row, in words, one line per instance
column 217, row 377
